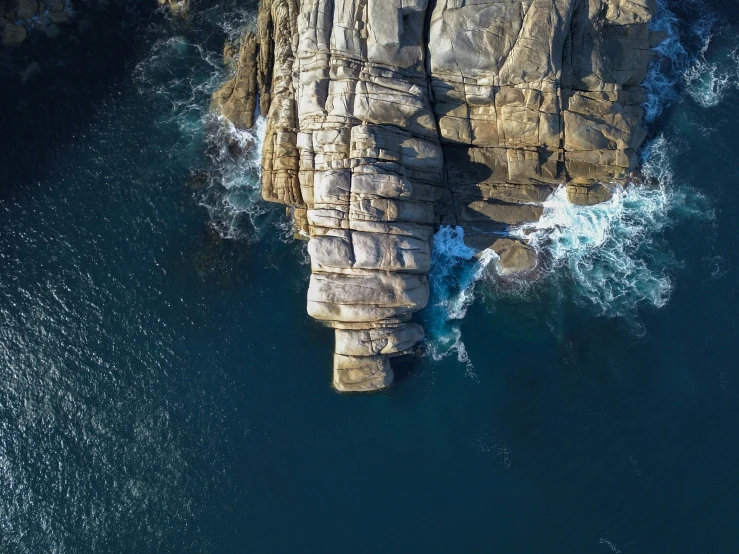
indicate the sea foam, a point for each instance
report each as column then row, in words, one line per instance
column 608, row 250
column 712, row 74
column 611, row 257
column 454, row 272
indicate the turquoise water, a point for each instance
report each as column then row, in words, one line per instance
column 164, row 390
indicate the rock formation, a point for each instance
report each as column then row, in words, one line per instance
column 388, row 118
column 237, row 99
column 26, row 16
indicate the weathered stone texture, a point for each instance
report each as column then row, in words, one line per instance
column 359, row 149
column 536, row 93
column 387, row 118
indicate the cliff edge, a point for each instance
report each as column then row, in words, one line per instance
column 388, row 118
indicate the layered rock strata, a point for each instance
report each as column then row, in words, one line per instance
column 387, row 118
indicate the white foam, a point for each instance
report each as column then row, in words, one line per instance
column 452, row 277
column 610, row 258
column 605, row 249
column 711, row 75
column 235, row 207
column 182, row 74
column 612, row 251
column 706, row 72
column 672, row 57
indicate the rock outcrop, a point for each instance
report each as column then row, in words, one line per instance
column 26, row 16
column 237, row 99
column 388, row 118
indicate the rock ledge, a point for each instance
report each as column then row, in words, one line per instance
column 388, row 118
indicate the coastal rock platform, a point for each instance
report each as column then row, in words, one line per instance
column 389, row 118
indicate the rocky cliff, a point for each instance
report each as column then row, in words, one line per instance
column 388, row 118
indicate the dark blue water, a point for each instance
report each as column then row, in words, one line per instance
column 163, row 389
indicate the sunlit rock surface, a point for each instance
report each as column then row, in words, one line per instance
column 388, row 118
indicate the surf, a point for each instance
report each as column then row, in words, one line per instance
column 614, row 254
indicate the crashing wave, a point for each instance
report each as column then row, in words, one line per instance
column 614, row 252
column 610, row 250
column 182, row 74
column 233, row 198
column 454, row 272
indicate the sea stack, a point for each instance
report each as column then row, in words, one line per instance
column 388, row 118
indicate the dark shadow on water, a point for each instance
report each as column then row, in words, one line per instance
column 73, row 73
column 407, row 365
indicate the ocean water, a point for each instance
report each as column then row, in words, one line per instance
column 163, row 389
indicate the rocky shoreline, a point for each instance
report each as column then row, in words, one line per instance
column 387, row 119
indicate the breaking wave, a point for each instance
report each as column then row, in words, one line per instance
column 181, row 74
column 612, row 254
column 612, row 251
column 615, row 254
column 713, row 73
column 232, row 196
column 454, row 272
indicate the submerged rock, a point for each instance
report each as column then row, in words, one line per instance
column 30, row 71
column 386, row 118
column 177, row 7
column 13, row 35
column 27, row 8
column 53, row 31
column 59, row 18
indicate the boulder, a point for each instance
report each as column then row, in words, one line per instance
column 515, row 256
column 59, row 18
column 374, row 341
column 177, row 7
column 13, row 35
column 27, row 8
column 588, row 195
column 229, row 53
column 53, row 31
column 361, row 373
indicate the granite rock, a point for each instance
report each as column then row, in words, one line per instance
column 237, row 99
column 388, row 118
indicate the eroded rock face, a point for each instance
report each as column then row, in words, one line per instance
column 533, row 94
column 387, row 118
column 237, row 99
